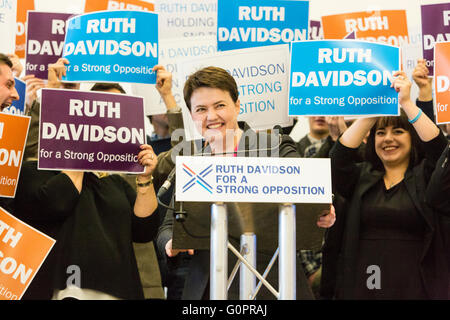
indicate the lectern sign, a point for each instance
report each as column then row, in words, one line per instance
column 242, row 179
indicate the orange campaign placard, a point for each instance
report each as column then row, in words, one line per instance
column 22, row 8
column 442, row 81
column 385, row 26
column 23, row 249
column 100, row 5
column 13, row 135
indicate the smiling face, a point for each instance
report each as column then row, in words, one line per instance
column 393, row 145
column 214, row 112
column 8, row 92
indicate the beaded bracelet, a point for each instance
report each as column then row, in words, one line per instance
column 144, row 184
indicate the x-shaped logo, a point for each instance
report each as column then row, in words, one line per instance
column 197, row 178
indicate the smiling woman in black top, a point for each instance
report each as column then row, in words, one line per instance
column 391, row 246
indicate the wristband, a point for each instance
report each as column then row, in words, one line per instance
column 416, row 118
column 144, row 184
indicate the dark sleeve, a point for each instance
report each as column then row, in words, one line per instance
column 344, row 171
column 433, row 150
column 145, row 229
column 288, row 148
column 142, row 229
column 31, row 145
column 44, row 195
column 324, row 151
column 427, row 108
column 438, row 190
column 7, row 204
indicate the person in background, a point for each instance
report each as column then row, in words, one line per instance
column 8, row 92
column 392, row 245
column 95, row 217
column 160, row 139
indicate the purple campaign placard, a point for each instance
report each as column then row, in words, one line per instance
column 45, row 41
column 435, row 28
column 90, row 131
column 315, row 30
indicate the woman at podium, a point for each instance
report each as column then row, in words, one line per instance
column 212, row 97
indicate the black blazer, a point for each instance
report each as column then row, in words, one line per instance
column 352, row 180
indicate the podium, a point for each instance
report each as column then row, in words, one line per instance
column 270, row 227
column 284, row 227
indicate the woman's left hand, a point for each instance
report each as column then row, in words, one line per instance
column 327, row 219
column 148, row 159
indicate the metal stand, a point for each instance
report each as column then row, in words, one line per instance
column 247, row 280
column 248, row 289
column 219, row 252
column 287, row 263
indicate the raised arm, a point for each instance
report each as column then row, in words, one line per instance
column 355, row 134
column 164, row 87
column 146, row 202
column 424, row 126
column 423, row 81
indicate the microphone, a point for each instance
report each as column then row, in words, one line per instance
column 166, row 185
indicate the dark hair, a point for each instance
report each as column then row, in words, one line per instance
column 107, row 86
column 4, row 59
column 401, row 121
column 210, row 77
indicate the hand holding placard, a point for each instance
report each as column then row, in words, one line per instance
column 164, row 86
column 55, row 73
column 420, row 77
column 17, row 67
column 112, row 46
column 402, row 85
column 33, row 84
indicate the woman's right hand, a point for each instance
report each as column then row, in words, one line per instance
column 174, row 252
column 402, row 85
column 163, row 80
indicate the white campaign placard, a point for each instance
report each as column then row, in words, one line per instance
column 8, row 14
column 249, row 179
column 186, row 18
column 170, row 52
column 262, row 77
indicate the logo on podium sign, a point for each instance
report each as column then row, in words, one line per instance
column 252, row 179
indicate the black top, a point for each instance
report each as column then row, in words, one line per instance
column 93, row 229
column 352, row 181
column 391, row 238
column 390, row 214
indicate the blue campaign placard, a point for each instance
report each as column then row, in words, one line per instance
column 342, row 77
column 249, row 23
column 18, row 106
column 112, row 46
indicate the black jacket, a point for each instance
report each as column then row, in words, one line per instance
column 352, row 180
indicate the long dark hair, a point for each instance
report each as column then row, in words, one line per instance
column 401, row 121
